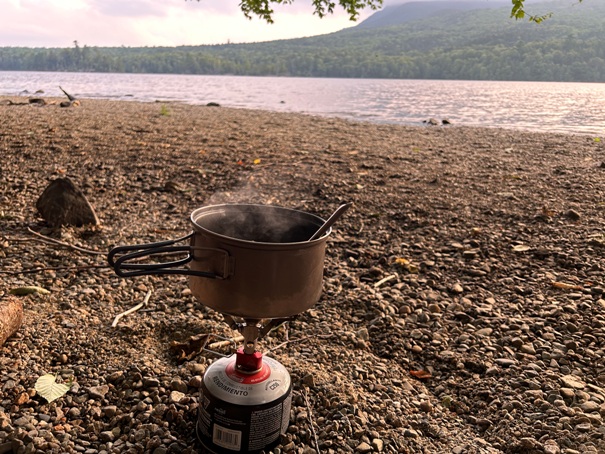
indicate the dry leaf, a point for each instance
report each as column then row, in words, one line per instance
column 407, row 265
column 401, row 261
column 421, row 374
column 521, row 248
column 185, row 351
column 547, row 212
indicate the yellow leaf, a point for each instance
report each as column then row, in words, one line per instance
column 48, row 387
column 256, row 161
column 407, row 265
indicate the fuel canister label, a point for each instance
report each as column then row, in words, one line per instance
column 226, row 438
column 233, row 390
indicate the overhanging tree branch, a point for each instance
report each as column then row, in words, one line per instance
column 264, row 10
column 518, row 12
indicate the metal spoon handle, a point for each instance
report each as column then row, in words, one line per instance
column 331, row 220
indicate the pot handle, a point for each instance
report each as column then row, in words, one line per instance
column 119, row 258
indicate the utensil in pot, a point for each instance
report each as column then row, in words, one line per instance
column 331, row 220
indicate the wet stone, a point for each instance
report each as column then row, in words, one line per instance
column 151, row 383
column 377, row 445
column 571, row 381
column 177, row 397
column 110, row 411
column 590, row 406
column 98, row 392
column 363, row 448
column 178, row 385
column 106, row 436
column 505, row 362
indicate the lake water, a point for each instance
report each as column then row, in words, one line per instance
column 577, row 108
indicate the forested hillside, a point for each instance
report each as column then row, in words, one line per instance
column 447, row 44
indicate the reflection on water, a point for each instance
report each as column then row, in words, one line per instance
column 537, row 106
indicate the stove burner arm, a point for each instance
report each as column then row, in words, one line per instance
column 253, row 329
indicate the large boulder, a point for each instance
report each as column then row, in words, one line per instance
column 62, row 203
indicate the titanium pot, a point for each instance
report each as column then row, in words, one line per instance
column 245, row 260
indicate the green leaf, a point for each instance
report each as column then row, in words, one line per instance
column 20, row 291
column 48, row 387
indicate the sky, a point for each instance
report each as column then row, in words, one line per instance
column 134, row 23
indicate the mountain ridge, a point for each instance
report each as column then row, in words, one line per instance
column 409, row 11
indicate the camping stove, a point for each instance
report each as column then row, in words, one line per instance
column 245, row 398
column 261, row 265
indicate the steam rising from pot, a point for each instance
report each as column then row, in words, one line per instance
column 250, row 223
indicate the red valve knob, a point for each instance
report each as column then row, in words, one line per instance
column 248, row 362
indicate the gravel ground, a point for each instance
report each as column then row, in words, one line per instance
column 462, row 309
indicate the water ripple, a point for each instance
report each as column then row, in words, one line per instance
column 536, row 106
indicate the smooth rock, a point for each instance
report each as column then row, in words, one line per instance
column 571, row 381
column 62, row 203
column 363, row 448
column 98, row 392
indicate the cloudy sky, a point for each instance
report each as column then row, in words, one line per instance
column 58, row 23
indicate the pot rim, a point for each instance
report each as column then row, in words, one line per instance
column 208, row 209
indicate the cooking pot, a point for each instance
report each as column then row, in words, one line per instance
column 244, row 260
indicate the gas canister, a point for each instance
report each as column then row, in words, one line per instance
column 243, row 412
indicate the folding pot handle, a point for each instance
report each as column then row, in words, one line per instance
column 123, row 259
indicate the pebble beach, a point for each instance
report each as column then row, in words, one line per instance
column 463, row 306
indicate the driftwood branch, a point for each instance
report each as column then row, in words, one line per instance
column 49, row 240
column 385, row 280
column 224, row 343
column 11, row 317
column 131, row 310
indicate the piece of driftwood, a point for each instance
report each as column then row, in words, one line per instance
column 73, row 101
column 11, row 317
column 131, row 310
column 47, row 239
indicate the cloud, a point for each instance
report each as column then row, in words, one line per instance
column 58, row 23
column 130, row 8
column 230, row 7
